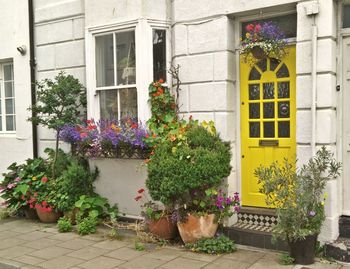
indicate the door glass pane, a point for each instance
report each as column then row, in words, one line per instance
column 126, row 67
column 128, row 103
column 104, row 61
column 262, row 65
column 8, row 72
column 254, row 92
column 269, row 129
column 10, row 123
column 273, row 64
column 109, row 104
column 254, row 74
column 9, row 106
column 254, row 111
column 283, row 129
column 283, row 89
column 283, row 110
column 283, row 72
column 346, row 16
column 269, row 92
column 8, row 89
column 0, row 123
column 254, row 129
column 159, row 55
column 269, row 110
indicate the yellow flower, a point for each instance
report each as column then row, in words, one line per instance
column 247, row 35
column 34, row 178
column 325, row 195
column 322, row 203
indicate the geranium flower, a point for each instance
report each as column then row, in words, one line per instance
column 11, row 186
column 249, row 27
column 161, row 80
column 137, row 198
column 141, row 190
column 44, row 180
column 17, row 179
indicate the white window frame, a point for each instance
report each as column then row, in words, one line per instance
column 144, row 62
column 3, row 98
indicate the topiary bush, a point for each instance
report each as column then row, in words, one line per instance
column 200, row 162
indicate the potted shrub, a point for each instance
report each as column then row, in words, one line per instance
column 158, row 220
column 182, row 168
column 297, row 195
column 263, row 40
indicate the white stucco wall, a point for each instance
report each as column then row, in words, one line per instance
column 14, row 32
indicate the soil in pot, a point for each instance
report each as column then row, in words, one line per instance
column 303, row 251
column 48, row 217
column 197, row 227
column 163, row 228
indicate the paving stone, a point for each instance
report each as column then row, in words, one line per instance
column 245, row 255
column 125, row 254
column 264, row 263
column 42, row 243
column 94, row 237
column 50, row 252
column 12, row 252
column 101, row 262
column 111, row 245
column 26, row 259
column 184, row 264
column 76, row 243
column 200, row 256
column 88, row 253
column 319, row 266
column 8, row 234
column 10, row 242
column 142, row 263
column 64, row 236
column 62, row 262
column 164, row 254
column 33, row 236
column 10, row 264
column 227, row 263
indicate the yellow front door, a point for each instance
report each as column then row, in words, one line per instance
column 267, row 119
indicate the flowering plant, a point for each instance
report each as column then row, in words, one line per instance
column 106, row 138
column 263, row 40
column 150, row 210
column 297, row 194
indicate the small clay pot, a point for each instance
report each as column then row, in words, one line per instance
column 48, row 217
column 197, row 227
column 163, row 228
column 258, row 53
column 30, row 213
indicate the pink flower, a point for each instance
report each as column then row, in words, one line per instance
column 17, row 179
column 44, row 180
column 11, row 186
column 249, row 27
column 257, row 28
column 2, row 189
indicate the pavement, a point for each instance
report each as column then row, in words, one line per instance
column 30, row 244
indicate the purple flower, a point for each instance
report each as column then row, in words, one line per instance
column 312, row 213
column 11, row 186
column 228, row 200
column 236, row 208
column 17, row 179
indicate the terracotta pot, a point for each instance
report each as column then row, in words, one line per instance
column 303, row 251
column 258, row 53
column 48, row 217
column 197, row 227
column 163, row 228
column 71, row 215
column 30, row 213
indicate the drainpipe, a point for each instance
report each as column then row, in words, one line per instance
column 32, row 75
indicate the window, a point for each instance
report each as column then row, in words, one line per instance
column 346, row 16
column 7, row 98
column 116, row 75
column 159, row 55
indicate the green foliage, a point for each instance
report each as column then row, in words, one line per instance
column 5, row 213
column 96, row 207
column 320, row 249
column 86, row 225
column 139, row 246
column 64, row 225
column 297, row 193
column 217, row 245
column 285, row 259
column 193, row 166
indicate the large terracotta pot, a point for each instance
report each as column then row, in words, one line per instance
column 303, row 251
column 163, row 228
column 48, row 217
column 197, row 227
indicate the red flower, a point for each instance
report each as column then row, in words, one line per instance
column 35, row 194
column 88, row 121
column 141, row 190
column 257, row 28
column 147, row 136
column 44, row 180
column 44, row 203
column 138, row 198
column 191, row 117
column 83, row 135
column 92, row 127
column 134, row 125
column 249, row 27
column 161, row 80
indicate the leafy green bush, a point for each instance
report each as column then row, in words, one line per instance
column 96, row 207
column 64, row 225
column 285, row 259
column 199, row 163
column 217, row 245
column 86, row 225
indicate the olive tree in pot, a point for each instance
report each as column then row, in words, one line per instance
column 297, row 194
column 186, row 176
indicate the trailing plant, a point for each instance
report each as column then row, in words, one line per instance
column 285, row 259
column 87, row 225
column 150, row 209
column 297, row 193
column 265, row 36
column 60, row 101
column 64, row 225
column 216, row 245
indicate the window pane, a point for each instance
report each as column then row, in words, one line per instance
column 8, row 89
column 269, row 129
column 254, row 129
column 126, row 68
column 109, row 104
column 104, row 61
column 269, row 110
column 254, row 111
column 283, row 89
column 159, row 55
column 9, row 106
column 283, row 72
column 8, row 72
column 254, row 91
column 346, row 18
column 283, row 129
column 254, row 74
column 10, row 123
column 0, row 123
column 128, row 103
column 283, row 110
column 268, row 90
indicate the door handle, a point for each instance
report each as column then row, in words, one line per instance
column 268, row 143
